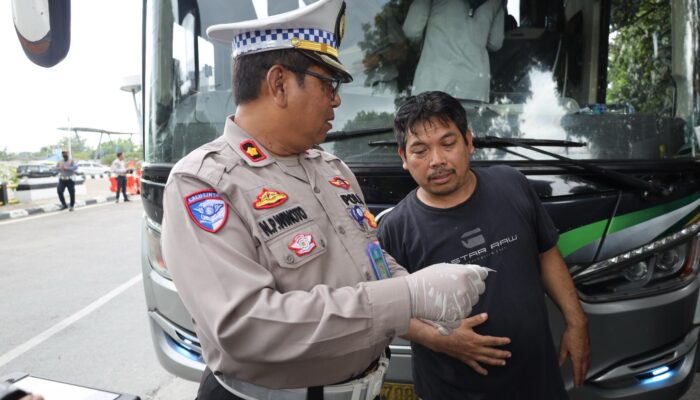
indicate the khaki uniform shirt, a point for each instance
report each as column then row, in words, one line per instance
column 282, row 293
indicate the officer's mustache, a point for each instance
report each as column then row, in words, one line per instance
column 440, row 172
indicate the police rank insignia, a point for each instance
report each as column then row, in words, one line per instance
column 252, row 151
column 302, row 243
column 339, row 181
column 207, row 209
column 269, row 199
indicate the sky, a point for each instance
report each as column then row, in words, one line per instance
column 82, row 90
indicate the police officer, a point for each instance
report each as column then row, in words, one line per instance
column 269, row 241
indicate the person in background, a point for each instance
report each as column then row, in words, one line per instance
column 120, row 170
column 489, row 216
column 456, row 37
column 270, row 243
column 66, row 173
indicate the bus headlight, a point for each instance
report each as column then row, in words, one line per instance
column 663, row 265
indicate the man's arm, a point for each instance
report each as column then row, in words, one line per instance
column 559, row 286
column 463, row 344
column 416, row 20
column 495, row 38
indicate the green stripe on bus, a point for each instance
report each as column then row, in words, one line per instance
column 634, row 218
column 576, row 238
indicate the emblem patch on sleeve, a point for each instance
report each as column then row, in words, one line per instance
column 339, row 181
column 269, row 198
column 252, row 151
column 207, row 209
column 370, row 219
column 302, row 243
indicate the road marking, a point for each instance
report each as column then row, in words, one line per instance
column 50, row 214
column 40, row 338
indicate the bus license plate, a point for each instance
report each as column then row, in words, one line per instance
column 398, row 391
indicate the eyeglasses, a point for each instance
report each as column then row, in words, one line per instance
column 331, row 84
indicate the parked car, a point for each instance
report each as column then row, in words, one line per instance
column 35, row 171
column 92, row 168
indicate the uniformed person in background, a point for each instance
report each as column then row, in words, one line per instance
column 269, row 241
column 66, row 173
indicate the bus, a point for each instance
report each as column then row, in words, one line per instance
column 596, row 102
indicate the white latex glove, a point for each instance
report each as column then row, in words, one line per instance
column 444, row 294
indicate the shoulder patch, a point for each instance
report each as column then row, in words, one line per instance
column 207, row 209
column 252, row 151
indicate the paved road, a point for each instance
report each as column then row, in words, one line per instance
column 72, row 307
column 72, row 304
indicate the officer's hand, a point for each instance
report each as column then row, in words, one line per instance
column 445, row 293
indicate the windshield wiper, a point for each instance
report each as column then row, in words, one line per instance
column 484, row 142
column 343, row 135
column 498, row 142
column 492, row 141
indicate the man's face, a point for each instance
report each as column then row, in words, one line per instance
column 313, row 103
column 437, row 157
column 64, row 155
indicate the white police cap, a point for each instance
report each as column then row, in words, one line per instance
column 316, row 30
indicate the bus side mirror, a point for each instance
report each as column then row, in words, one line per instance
column 43, row 29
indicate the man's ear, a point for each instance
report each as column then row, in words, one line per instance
column 275, row 84
column 470, row 141
column 402, row 154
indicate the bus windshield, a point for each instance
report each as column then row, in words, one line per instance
column 620, row 76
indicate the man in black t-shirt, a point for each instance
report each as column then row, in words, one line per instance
column 491, row 217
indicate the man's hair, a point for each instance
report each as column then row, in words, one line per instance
column 120, row 153
column 424, row 106
column 250, row 70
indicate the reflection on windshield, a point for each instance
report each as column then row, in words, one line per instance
column 616, row 83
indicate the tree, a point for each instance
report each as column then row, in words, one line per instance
column 75, row 144
column 390, row 60
column 4, row 155
column 639, row 57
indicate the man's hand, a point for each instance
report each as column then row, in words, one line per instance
column 574, row 342
column 471, row 348
column 445, row 293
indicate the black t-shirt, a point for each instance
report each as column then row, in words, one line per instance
column 502, row 226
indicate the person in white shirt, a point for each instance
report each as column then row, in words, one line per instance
column 66, row 173
column 456, row 37
column 119, row 169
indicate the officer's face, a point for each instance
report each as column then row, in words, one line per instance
column 437, row 157
column 315, row 107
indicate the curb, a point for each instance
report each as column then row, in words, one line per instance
column 25, row 212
